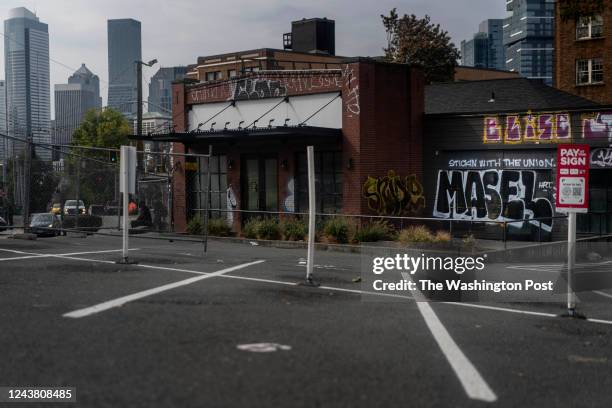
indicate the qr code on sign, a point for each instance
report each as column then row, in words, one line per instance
column 576, row 191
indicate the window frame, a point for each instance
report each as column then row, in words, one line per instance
column 585, row 28
column 590, row 71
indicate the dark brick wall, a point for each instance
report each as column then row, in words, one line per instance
column 386, row 133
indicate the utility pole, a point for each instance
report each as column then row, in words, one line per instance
column 139, row 102
column 27, row 170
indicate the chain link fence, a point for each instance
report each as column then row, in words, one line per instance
column 78, row 190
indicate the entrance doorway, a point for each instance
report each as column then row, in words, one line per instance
column 599, row 218
column 259, row 184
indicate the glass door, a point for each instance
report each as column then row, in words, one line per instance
column 259, row 184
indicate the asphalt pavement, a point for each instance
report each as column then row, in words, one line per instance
column 235, row 328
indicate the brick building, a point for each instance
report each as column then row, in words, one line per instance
column 583, row 58
column 363, row 118
column 309, row 45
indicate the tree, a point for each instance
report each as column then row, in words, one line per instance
column 575, row 9
column 97, row 170
column 418, row 41
column 105, row 128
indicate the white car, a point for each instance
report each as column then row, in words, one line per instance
column 70, row 207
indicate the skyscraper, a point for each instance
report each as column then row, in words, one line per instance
column 26, row 62
column 124, row 48
column 160, row 89
column 3, row 123
column 529, row 34
column 73, row 100
column 486, row 48
column 475, row 52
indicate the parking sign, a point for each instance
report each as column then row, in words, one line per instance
column 572, row 178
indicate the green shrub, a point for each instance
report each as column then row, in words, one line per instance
column 443, row 236
column 374, row 231
column 293, row 229
column 86, row 222
column 218, row 227
column 194, row 226
column 268, row 228
column 262, row 228
column 249, row 230
column 337, row 229
column 416, row 234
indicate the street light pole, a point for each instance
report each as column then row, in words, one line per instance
column 139, row 101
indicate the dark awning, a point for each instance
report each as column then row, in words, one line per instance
column 209, row 136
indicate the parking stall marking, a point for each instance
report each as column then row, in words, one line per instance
column 347, row 290
column 473, row 383
column 31, row 255
column 101, row 307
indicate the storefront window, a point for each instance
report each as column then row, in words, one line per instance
column 218, row 182
column 328, row 182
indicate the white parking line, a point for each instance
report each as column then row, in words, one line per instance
column 356, row 291
column 474, row 385
column 139, row 295
column 608, row 295
column 31, row 255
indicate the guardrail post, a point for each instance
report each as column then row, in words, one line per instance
column 540, row 232
column 600, row 223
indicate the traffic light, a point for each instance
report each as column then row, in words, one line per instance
column 113, row 157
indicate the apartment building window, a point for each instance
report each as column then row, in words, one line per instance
column 232, row 73
column 589, row 71
column 589, row 27
column 213, row 76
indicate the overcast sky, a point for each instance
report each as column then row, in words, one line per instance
column 177, row 31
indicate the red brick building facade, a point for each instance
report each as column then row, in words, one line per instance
column 365, row 119
column 583, row 61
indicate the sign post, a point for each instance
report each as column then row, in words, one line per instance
column 127, row 186
column 311, row 217
column 572, row 198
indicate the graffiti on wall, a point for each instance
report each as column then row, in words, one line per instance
column 289, row 203
column 544, row 127
column 263, row 85
column 351, row 84
column 503, row 162
column 597, row 125
column 258, row 88
column 601, row 157
column 394, row 195
column 496, row 195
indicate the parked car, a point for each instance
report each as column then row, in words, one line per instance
column 56, row 209
column 46, row 224
column 70, row 207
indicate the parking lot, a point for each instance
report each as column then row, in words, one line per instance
column 183, row 328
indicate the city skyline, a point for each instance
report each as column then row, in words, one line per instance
column 72, row 101
column 124, row 48
column 80, row 36
column 26, row 53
